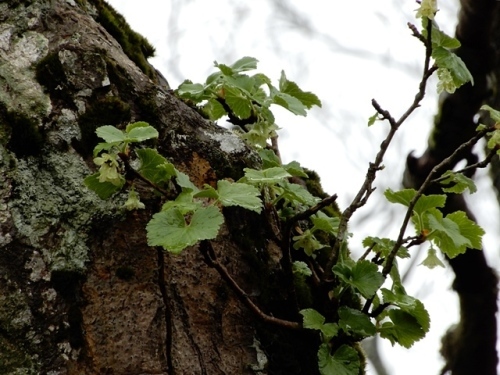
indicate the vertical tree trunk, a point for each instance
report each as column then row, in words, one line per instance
column 80, row 290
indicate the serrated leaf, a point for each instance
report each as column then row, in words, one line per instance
column 325, row 223
column 440, row 39
column 460, row 183
column 355, row 321
column 296, row 194
column 404, row 329
column 295, row 169
column 385, row 246
column 184, row 182
column 449, row 60
column 207, row 192
column 366, row 278
column 138, row 124
column 267, row 176
column 312, row 319
column 454, row 233
column 345, row 361
column 244, row 64
column 259, row 133
column 308, row 242
column 142, row 133
column 171, row 230
column 239, row 194
column 269, row 159
column 103, row 189
column 363, row 276
column 291, row 103
column 424, row 203
column 301, row 268
column 494, row 114
column 110, row 134
column 408, row 304
column 214, row 109
column 403, row 197
column 193, row 91
column 184, row 203
column 308, row 99
column 238, row 102
column 154, row 166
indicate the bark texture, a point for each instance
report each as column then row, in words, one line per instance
column 80, row 290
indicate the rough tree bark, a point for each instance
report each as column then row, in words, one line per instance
column 80, row 290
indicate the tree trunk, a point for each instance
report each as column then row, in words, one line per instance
column 81, row 292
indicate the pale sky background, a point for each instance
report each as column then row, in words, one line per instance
column 347, row 53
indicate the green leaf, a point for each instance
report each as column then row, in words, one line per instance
column 296, row 194
column 366, row 278
column 267, row 176
column 308, row 99
column 174, row 232
column 409, row 305
column 138, row 124
column 345, row 361
column 184, row 182
column 385, row 246
column 301, row 268
column 440, row 39
column 455, row 233
column 314, row 320
column 404, row 329
column 325, row 223
column 355, row 321
column 154, row 166
column 207, row 192
column 460, row 183
column 238, row 102
column 308, row 242
column 449, row 60
column 269, row 159
column 431, row 260
column 142, row 133
column 291, row 103
column 110, row 134
column 295, row 169
column 424, row 203
column 214, row 109
column 239, row 194
column 363, row 276
column 494, row 114
column 403, row 197
column 259, row 133
column 103, row 189
column 193, row 91
column 244, row 64
column 372, row 119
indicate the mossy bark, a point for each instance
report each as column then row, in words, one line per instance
column 80, row 290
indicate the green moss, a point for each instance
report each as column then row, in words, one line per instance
column 108, row 110
column 135, row 46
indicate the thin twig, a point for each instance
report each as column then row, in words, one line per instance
column 367, row 188
column 211, row 259
column 438, row 168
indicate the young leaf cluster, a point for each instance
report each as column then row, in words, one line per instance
column 246, row 99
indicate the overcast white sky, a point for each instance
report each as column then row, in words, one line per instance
column 347, row 52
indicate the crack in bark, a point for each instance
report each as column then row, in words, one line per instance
column 168, row 312
column 185, row 322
